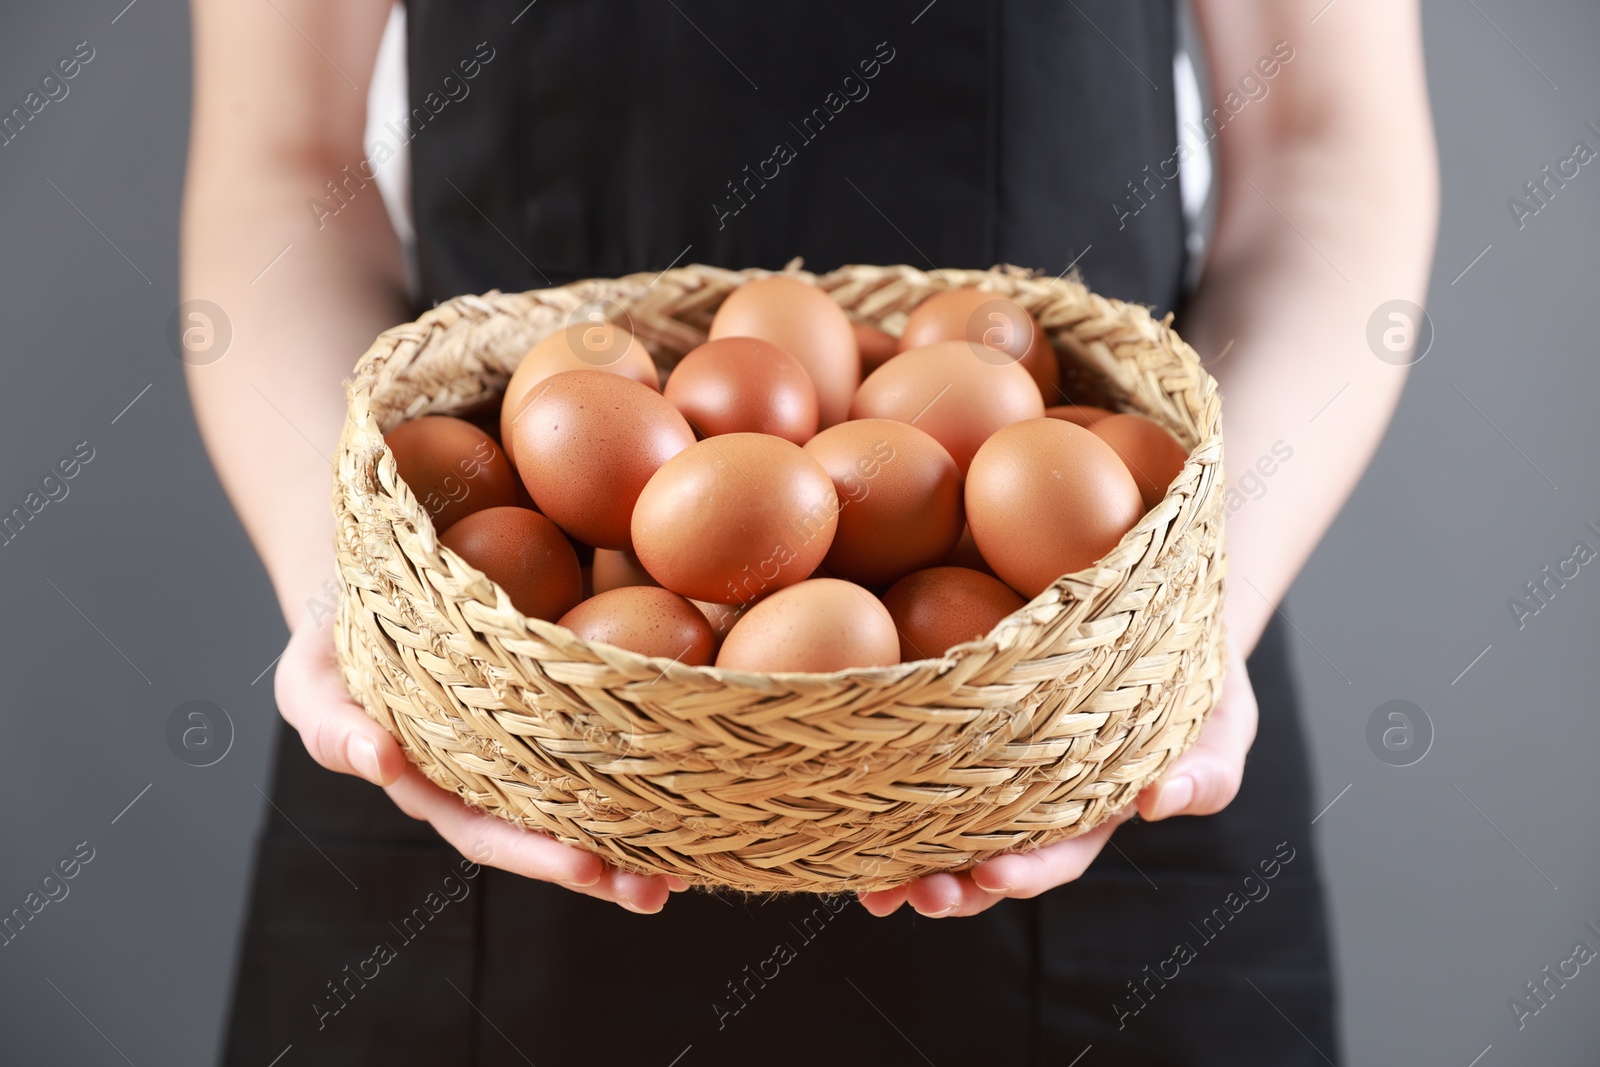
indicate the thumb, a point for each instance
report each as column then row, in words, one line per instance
column 1205, row 779
column 336, row 731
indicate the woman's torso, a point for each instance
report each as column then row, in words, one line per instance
column 599, row 138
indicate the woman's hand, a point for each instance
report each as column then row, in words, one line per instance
column 1202, row 781
column 342, row 737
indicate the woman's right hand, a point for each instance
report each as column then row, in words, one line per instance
column 342, row 737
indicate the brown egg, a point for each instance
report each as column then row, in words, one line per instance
column 1042, row 362
column 452, row 468
column 647, row 620
column 899, row 499
column 525, row 554
column 966, row 553
column 1077, row 414
column 744, row 385
column 585, row 346
column 988, row 319
column 820, row 625
column 875, row 346
column 939, row 608
column 587, row 442
column 803, row 321
column 720, row 616
column 951, row 394
column 614, row 569
column 1152, row 455
column 734, row 517
column 1047, row 498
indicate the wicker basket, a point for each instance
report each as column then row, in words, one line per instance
column 851, row 781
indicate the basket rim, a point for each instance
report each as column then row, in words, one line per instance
column 1057, row 593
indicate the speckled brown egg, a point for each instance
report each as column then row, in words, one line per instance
column 876, row 346
column 586, row 444
column 1084, row 415
column 805, row 322
column 819, row 626
column 452, row 468
column 950, row 394
column 1047, row 498
column 734, row 517
column 525, row 554
column 720, row 616
column 585, row 346
column 1153, row 456
column 618, row 569
column 744, row 385
column 899, row 499
column 941, row 607
column 645, row 619
column 988, row 319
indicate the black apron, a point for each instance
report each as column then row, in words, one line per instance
column 601, row 138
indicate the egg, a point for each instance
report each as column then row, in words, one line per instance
column 951, row 394
column 876, row 346
column 744, row 385
column 586, row 444
column 720, row 616
column 966, row 553
column 941, row 607
column 988, row 319
column 1153, row 456
column 452, row 468
column 618, row 569
column 820, row 625
column 647, row 620
column 803, row 321
column 584, row 346
column 1080, row 414
column 899, row 499
column 525, row 554
column 1047, row 498
column 735, row 517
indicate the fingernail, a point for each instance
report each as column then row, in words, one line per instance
column 363, row 756
column 990, row 883
column 676, row 884
column 584, row 881
column 631, row 906
column 941, row 913
column 1174, row 797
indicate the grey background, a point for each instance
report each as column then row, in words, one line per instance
column 1444, row 875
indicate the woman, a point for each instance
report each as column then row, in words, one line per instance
column 575, row 140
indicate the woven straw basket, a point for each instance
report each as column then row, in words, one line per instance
column 816, row 782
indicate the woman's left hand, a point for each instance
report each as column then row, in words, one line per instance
column 1202, row 781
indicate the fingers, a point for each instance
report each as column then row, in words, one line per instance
column 1205, row 779
column 338, row 734
column 1027, row 874
column 1018, row 875
column 342, row 737
column 532, row 855
column 881, row 902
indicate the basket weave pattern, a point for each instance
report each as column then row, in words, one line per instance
column 850, row 781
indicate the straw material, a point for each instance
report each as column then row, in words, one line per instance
column 851, row 781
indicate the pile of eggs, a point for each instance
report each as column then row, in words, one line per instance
column 768, row 508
